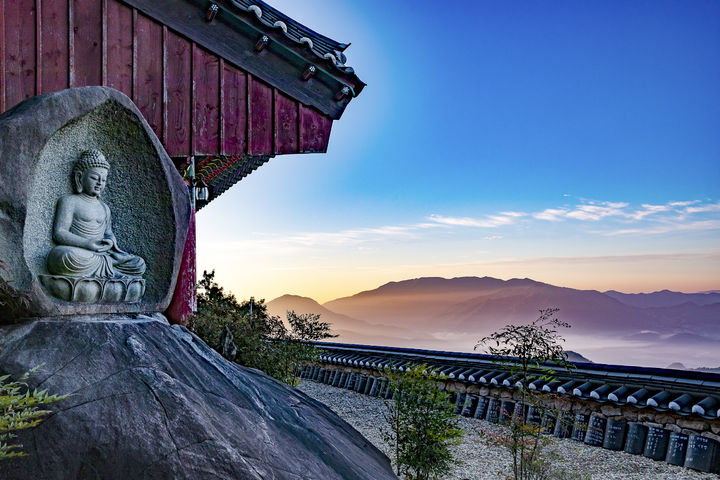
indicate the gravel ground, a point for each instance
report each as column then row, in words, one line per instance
column 484, row 462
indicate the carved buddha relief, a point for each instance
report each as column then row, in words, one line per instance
column 87, row 265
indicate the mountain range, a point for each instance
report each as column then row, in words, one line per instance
column 454, row 313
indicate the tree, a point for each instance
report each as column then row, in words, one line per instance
column 19, row 410
column 421, row 424
column 529, row 350
column 291, row 346
column 261, row 340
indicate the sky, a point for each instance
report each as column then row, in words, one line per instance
column 574, row 143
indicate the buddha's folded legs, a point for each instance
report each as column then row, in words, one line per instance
column 74, row 261
column 128, row 264
column 79, row 262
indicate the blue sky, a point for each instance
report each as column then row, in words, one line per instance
column 571, row 142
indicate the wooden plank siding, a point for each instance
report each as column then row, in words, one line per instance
column 260, row 106
column 85, row 42
column 206, row 102
column 20, row 17
column 148, row 81
column 177, row 94
column 234, row 107
column 197, row 102
column 314, row 130
column 119, row 36
column 53, row 46
column 286, row 124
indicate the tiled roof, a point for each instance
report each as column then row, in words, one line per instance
column 677, row 391
column 322, row 46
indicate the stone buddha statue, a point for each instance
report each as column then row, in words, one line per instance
column 86, row 246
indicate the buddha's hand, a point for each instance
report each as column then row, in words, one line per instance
column 101, row 246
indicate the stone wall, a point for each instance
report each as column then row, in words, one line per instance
column 689, row 441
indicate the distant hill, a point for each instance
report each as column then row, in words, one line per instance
column 453, row 314
column 472, row 304
column 423, row 299
column 300, row 304
column 680, row 366
column 576, row 357
column 350, row 330
column 664, row 298
column 677, row 366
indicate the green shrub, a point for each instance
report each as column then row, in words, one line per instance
column 421, row 426
column 258, row 339
column 19, row 410
column 19, row 406
column 290, row 348
column 527, row 350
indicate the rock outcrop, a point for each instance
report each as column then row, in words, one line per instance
column 152, row 401
column 146, row 400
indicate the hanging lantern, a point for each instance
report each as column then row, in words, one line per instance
column 202, row 192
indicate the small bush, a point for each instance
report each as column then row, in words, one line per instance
column 245, row 333
column 527, row 350
column 421, row 426
column 19, row 410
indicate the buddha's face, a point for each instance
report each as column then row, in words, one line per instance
column 94, row 180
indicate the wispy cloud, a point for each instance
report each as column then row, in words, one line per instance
column 607, row 218
column 555, row 261
column 489, row 221
column 648, row 209
column 602, row 259
column 586, row 211
column 649, row 218
column 597, row 211
column 668, row 228
column 292, row 243
column 359, row 235
column 551, row 214
column 713, row 207
column 591, row 211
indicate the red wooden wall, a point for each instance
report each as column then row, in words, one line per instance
column 195, row 101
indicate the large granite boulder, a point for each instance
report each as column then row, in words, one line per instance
column 93, row 221
column 152, row 401
column 42, row 141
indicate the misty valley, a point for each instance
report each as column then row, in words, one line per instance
column 659, row 329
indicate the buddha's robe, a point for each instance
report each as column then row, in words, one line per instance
column 80, row 262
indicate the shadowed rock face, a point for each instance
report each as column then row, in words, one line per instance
column 150, row 400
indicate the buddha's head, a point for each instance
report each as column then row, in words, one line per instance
column 90, row 173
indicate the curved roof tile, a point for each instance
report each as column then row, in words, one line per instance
column 322, row 46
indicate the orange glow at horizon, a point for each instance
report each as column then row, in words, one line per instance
column 325, row 282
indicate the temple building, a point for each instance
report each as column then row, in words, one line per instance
column 226, row 85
